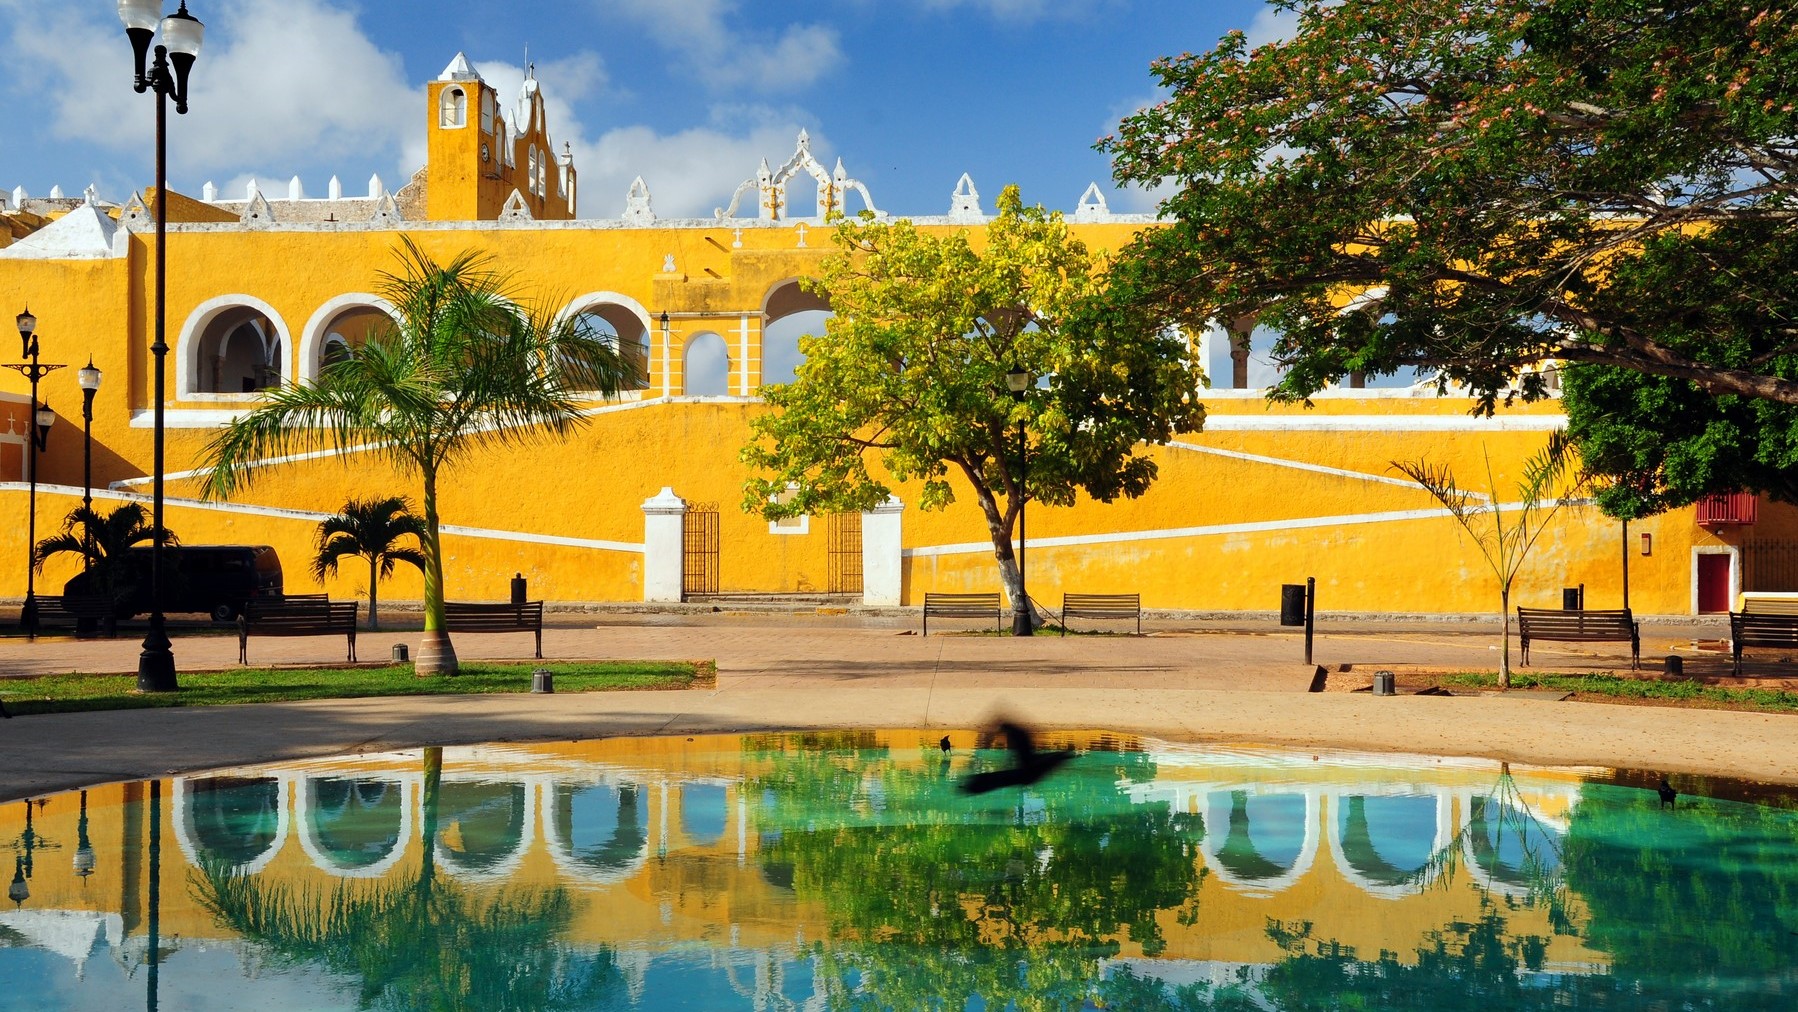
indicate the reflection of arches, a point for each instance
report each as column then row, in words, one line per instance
column 482, row 826
column 241, row 821
column 621, row 321
column 1383, row 842
column 705, row 366
column 233, row 344
column 1508, row 849
column 704, row 813
column 599, row 832
column 354, row 828
column 344, row 323
column 1260, row 843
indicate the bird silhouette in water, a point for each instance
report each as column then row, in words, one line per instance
column 1028, row 765
column 944, row 744
column 1668, row 794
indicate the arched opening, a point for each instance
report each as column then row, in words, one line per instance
column 454, row 108
column 480, row 825
column 705, row 366
column 1263, row 836
column 625, row 331
column 347, row 332
column 704, row 813
column 239, row 351
column 355, row 823
column 790, row 313
column 603, row 829
column 1388, row 840
column 235, row 820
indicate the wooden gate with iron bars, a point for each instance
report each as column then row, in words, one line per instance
column 844, row 553
column 699, row 550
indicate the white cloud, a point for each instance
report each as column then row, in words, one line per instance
column 1271, row 25
column 728, row 54
column 277, row 82
column 690, row 173
column 1021, row 10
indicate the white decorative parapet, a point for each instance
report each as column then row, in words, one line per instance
column 882, row 575
column 770, row 186
column 664, row 522
column 964, row 203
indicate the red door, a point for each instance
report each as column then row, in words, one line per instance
column 1713, row 584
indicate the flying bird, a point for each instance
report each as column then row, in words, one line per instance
column 1668, row 794
column 1028, row 766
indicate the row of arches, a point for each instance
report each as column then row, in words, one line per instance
column 233, row 346
column 599, row 830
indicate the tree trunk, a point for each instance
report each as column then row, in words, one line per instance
column 374, row 619
column 1504, row 623
column 999, row 527
column 436, row 654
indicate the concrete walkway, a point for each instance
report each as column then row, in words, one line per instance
column 1238, row 681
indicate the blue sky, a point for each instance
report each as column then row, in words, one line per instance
column 689, row 94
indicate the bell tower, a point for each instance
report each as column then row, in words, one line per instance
column 478, row 159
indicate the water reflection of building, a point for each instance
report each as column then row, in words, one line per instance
column 659, row 841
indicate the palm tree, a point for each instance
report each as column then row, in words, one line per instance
column 367, row 529
column 104, row 543
column 463, row 365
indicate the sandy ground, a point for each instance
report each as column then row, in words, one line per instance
column 1240, row 681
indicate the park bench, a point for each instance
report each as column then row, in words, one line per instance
column 1102, row 606
column 296, row 615
column 83, row 613
column 962, row 606
column 466, row 616
column 1579, row 626
column 1761, row 629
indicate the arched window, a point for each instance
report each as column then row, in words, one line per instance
column 791, row 312
column 240, row 351
column 486, row 111
column 625, row 332
column 454, row 109
column 348, row 331
column 705, row 368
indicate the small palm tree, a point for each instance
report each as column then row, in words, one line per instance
column 104, row 542
column 464, row 365
column 368, row 529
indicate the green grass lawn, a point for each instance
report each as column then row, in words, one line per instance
column 1648, row 690
column 76, row 693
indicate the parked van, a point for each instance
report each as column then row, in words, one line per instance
column 218, row 580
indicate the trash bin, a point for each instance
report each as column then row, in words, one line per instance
column 1573, row 598
column 1292, row 604
column 1383, row 684
column 518, row 588
column 543, row 680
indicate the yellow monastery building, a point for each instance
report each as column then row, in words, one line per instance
column 265, row 286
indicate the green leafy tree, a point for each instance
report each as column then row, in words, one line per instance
column 912, row 372
column 465, row 365
column 1514, row 181
column 103, row 541
column 1504, row 543
column 369, row 529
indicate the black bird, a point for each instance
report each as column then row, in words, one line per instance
column 1668, row 794
column 1029, row 764
column 944, row 744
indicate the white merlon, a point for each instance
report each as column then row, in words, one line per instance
column 209, row 192
column 250, row 190
column 91, row 195
column 375, row 189
column 334, row 189
column 55, row 193
column 294, row 190
column 18, row 196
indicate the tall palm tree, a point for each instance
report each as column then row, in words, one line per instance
column 464, row 365
column 104, row 542
column 368, row 529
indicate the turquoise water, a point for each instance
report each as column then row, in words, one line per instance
column 850, row 872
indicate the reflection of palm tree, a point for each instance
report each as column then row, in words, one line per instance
column 425, row 943
column 1501, row 817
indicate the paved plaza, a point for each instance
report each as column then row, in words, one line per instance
column 1188, row 679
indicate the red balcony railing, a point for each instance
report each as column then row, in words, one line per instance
column 1731, row 508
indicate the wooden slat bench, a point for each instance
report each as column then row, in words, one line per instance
column 467, row 616
column 1585, row 626
column 962, row 606
column 83, row 613
column 296, row 615
column 1117, row 606
column 1760, row 629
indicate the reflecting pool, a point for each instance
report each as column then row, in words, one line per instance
column 848, row 871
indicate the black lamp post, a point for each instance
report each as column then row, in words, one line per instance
column 1018, row 382
column 40, row 422
column 89, row 378
column 181, row 34
column 84, row 848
